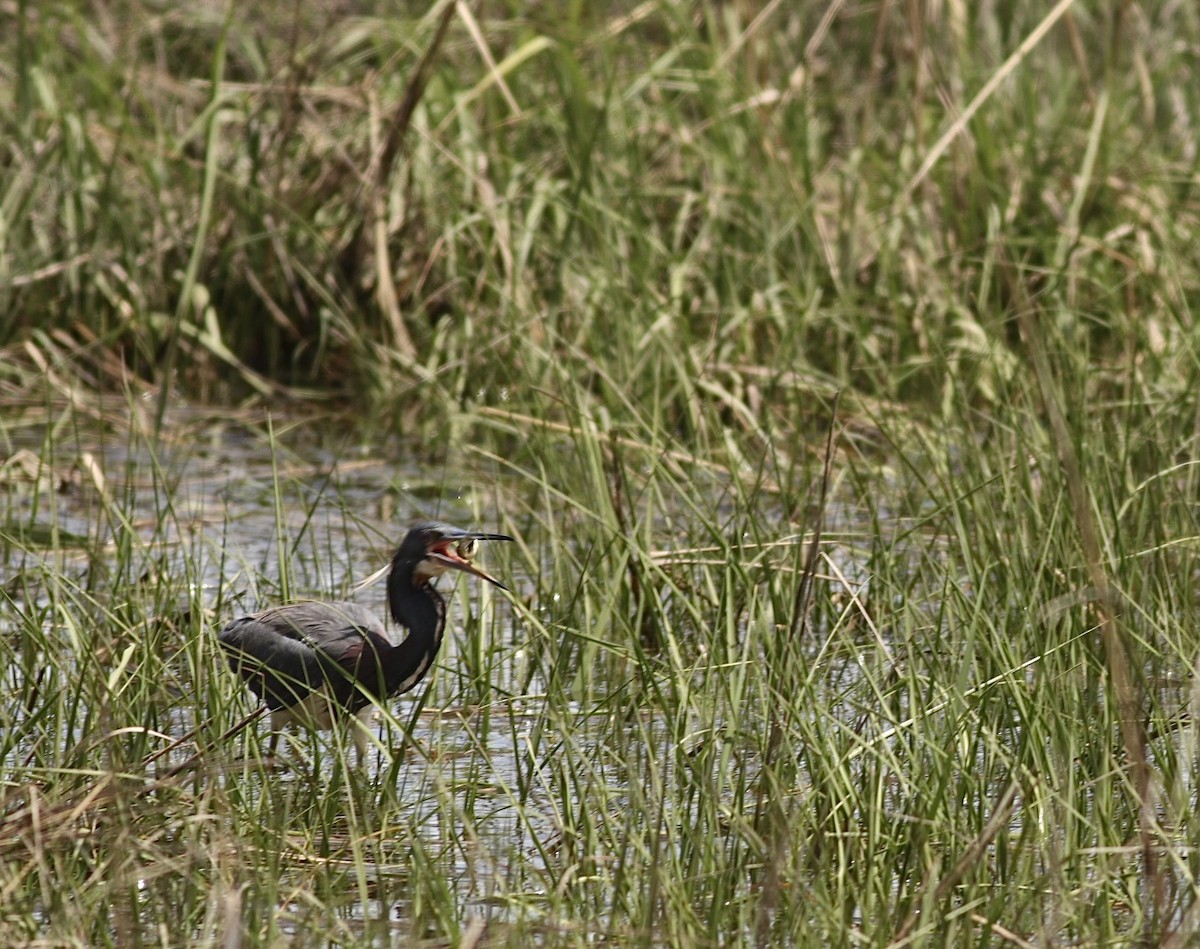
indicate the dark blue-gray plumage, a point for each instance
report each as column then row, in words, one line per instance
column 317, row 662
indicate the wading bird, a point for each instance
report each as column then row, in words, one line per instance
column 316, row 663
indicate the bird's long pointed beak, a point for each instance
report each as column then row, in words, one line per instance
column 448, row 553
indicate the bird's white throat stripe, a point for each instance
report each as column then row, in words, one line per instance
column 415, row 676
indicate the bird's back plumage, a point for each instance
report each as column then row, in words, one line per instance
column 288, row 652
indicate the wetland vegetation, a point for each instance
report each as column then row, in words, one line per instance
column 834, row 365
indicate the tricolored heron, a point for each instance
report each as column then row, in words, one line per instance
column 316, row 663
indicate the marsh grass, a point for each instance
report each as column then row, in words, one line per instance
column 606, row 301
column 594, row 756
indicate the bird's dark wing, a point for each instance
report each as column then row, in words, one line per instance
column 286, row 653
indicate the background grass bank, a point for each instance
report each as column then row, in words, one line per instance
column 686, row 202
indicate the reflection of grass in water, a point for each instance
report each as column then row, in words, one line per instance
column 630, row 299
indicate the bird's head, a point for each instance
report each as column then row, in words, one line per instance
column 430, row 549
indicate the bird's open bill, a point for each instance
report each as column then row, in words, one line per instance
column 456, row 550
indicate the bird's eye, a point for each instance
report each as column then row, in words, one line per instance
column 467, row 547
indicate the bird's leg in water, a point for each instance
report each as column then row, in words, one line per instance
column 361, row 725
column 273, row 743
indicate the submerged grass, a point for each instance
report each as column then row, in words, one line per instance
column 929, row 685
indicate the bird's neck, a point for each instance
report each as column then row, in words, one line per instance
column 423, row 613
